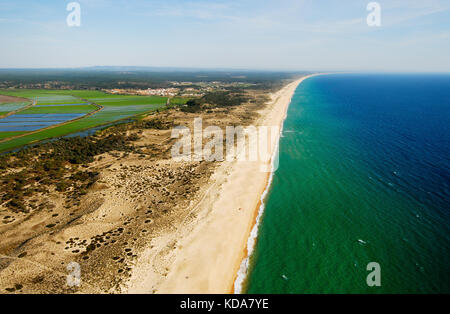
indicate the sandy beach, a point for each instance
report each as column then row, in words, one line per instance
column 212, row 246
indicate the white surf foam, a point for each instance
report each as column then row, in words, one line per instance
column 243, row 269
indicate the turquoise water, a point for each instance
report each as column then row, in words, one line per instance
column 364, row 177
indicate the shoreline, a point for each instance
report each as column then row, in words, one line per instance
column 212, row 245
column 242, row 273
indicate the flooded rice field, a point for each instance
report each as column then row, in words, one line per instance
column 33, row 122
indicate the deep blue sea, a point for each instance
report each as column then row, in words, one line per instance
column 364, row 176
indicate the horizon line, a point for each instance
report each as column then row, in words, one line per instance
column 218, row 69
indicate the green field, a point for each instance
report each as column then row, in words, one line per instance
column 115, row 108
column 9, row 134
column 60, row 109
column 131, row 101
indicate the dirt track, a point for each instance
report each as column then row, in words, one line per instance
column 4, row 98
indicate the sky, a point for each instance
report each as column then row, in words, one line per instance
column 310, row 35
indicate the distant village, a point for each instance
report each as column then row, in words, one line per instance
column 182, row 89
column 166, row 92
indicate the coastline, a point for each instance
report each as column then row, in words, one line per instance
column 212, row 246
column 242, row 273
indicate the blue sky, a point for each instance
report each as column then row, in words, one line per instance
column 251, row 34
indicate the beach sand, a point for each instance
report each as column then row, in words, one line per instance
column 208, row 248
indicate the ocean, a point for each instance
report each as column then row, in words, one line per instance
column 363, row 177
